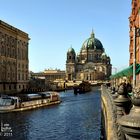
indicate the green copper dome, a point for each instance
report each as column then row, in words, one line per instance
column 71, row 50
column 92, row 43
column 104, row 55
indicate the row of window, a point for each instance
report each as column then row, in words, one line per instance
column 8, row 76
column 7, row 40
column 13, row 87
column 12, row 65
column 21, row 54
column 11, row 41
column 22, row 76
column 54, row 77
column 91, row 57
column 23, row 66
column 11, row 76
column 9, row 52
column 8, row 64
column 8, row 45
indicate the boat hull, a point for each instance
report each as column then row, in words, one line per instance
column 30, row 101
column 82, row 88
column 29, row 107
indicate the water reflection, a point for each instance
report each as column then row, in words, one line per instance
column 76, row 118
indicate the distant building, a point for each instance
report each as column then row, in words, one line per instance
column 55, row 74
column 92, row 63
column 13, row 59
column 50, row 75
column 48, row 79
column 54, row 79
column 134, row 21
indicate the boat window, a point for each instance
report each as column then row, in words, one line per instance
column 47, row 95
column 6, row 101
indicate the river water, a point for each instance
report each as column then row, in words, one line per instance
column 78, row 117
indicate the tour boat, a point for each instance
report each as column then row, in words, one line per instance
column 82, row 87
column 28, row 101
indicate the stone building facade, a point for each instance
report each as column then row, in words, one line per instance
column 13, row 59
column 90, row 64
column 134, row 24
column 134, row 21
column 52, row 79
column 50, row 74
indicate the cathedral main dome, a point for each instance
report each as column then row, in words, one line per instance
column 92, row 43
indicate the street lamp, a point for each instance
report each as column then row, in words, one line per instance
column 114, row 79
column 95, row 74
column 115, row 69
column 136, row 34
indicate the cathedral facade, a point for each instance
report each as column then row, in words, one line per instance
column 91, row 63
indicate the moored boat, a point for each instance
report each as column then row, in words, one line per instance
column 28, row 101
column 82, row 87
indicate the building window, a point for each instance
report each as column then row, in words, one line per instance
column 131, row 54
column 8, row 75
column 13, row 74
column 19, row 76
column 13, row 54
column 22, row 76
column 2, row 50
column 8, row 53
column 9, row 87
column 4, row 87
column 26, row 76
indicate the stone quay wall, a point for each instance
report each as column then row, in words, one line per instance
column 108, row 115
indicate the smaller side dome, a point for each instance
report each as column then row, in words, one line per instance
column 104, row 55
column 71, row 50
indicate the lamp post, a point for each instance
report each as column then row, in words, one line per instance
column 115, row 80
column 95, row 74
column 134, row 58
column 136, row 34
column 115, row 69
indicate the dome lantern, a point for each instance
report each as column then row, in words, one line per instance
column 92, row 34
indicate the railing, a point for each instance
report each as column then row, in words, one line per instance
column 120, row 114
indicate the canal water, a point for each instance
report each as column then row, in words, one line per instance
column 78, row 117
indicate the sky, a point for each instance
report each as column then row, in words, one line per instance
column 56, row 25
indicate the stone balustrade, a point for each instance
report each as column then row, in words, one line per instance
column 120, row 113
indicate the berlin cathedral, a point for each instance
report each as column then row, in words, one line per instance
column 91, row 63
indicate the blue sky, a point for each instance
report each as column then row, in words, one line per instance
column 55, row 25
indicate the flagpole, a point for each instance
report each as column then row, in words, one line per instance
column 134, row 59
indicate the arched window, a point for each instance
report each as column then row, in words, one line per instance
column 1, row 50
column 8, row 51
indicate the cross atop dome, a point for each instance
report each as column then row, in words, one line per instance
column 92, row 34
